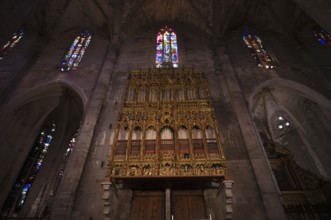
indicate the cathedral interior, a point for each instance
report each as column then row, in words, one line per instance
column 165, row 110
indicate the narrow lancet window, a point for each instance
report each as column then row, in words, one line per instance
column 259, row 53
column 76, row 51
column 20, row 190
column 16, row 37
column 323, row 37
column 166, row 48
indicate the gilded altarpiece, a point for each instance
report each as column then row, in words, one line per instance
column 166, row 127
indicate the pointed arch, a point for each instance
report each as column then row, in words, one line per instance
column 16, row 37
column 296, row 118
column 262, row 57
column 47, row 91
column 76, row 51
column 166, row 48
column 27, row 116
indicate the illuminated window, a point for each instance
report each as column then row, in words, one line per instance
column 76, row 51
column 11, row 43
column 71, row 145
column 323, row 37
column 166, row 48
column 282, row 123
column 258, row 52
column 27, row 175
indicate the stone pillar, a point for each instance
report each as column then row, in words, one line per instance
column 225, row 193
column 64, row 200
column 269, row 192
column 106, row 196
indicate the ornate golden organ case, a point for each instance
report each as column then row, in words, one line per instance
column 166, row 128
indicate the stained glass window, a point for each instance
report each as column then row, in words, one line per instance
column 71, row 145
column 76, row 51
column 27, row 175
column 258, row 52
column 166, row 48
column 16, row 37
column 323, row 37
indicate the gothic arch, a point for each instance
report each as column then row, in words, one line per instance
column 22, row 119
column 297, row 88
column 296, row 118
column 49, row 89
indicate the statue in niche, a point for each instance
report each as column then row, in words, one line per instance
column 116, row 171
column 167, row 169
column 133, row 170
column 147, row 171
column 217, row 169
column 200, row 169
column 186, row 169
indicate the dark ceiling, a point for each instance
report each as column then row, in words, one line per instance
column 121, row 17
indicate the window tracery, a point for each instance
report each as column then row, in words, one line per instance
column 16, row 37
column 281, row 124
column 323, row 37
column 166, row 48
column 259, row 53
column 76, row 51
column 20, row 190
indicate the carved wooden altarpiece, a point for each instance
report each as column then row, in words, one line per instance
column 166, row 128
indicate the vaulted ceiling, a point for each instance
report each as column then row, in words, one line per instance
column 112, row 17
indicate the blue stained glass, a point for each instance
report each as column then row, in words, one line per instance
column 166, row 48
column 48, row 139
column 323, row 37
column 159, row 47
column 29, row 171
column 76, row 51
column 173, row 37
column 26, row 188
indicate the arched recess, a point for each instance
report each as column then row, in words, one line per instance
column 136, row 140
column 183, row 141
column 167, row 136
column 197, row 140
column 294, row 125
column 150, row 136
column 22, row 120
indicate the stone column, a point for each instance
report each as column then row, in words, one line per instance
column 271, row 197
column 64, row 200
column 225, row 193
column 106, row 197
